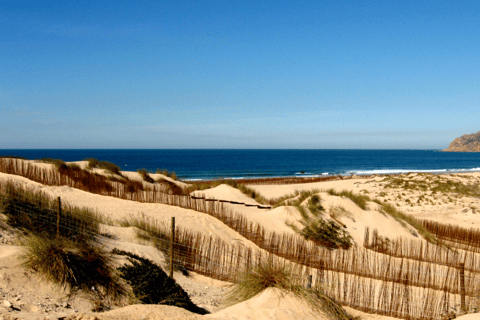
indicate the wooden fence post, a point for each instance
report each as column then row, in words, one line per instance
column 309, row 282
column 59, row 213
column 172, row 241
column 462, row 288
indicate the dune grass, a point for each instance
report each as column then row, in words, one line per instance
column 109, row 166
column 165, row 172
column 36, row 213
column 315, row 228
column 159, row 234
column 402, row 218
column 63, row 246
column 359, row 200
column 73, row 266
column 271, row 274
column 145, row 175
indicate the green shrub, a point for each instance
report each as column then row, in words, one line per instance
column 92, row 162
column 326, row 234
column 151, row 285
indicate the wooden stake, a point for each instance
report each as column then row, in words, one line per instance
column 462, row 287
column 59, row 213
column 172, row 241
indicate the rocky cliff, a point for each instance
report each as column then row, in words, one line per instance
column 465, row 143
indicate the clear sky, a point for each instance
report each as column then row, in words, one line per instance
column 238, row 74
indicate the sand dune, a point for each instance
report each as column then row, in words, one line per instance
column 271, row 304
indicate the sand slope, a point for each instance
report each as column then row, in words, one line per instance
column 270, row 304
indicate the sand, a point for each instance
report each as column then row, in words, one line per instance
column 39, row 300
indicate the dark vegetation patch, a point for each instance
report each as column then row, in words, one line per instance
column 151, row 285
column 165, row 172
column 327, row 234
column 145, row 175
column 94, row 163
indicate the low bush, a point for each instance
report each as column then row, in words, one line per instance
column 92, row 162
column 151, row 285
column 326, row 234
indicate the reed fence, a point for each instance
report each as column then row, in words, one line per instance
column 422, row 251
column 371, row 281
column 459, row 237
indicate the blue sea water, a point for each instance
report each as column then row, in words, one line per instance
column 196, row 164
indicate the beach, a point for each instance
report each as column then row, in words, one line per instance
column 410, row 193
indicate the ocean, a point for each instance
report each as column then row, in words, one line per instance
column 197, row 164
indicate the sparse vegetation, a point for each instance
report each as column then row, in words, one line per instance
column 94, row 163
column 359, row 200
column 63, row 248
column 270, row 274
column 165, row 172
column 145, row 175
column 159, row 234
column 402, row 218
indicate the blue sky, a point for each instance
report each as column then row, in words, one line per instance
column 238, row 74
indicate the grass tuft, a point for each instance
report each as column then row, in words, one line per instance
column 165, row 172
column 359, row 200
column 73, row 266
column 145, row 176
column 270, row 274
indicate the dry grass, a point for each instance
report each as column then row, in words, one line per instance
column 61, row 245
column 73, row 266
column 270, row 273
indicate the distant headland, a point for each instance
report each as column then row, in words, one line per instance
column 465, row 143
